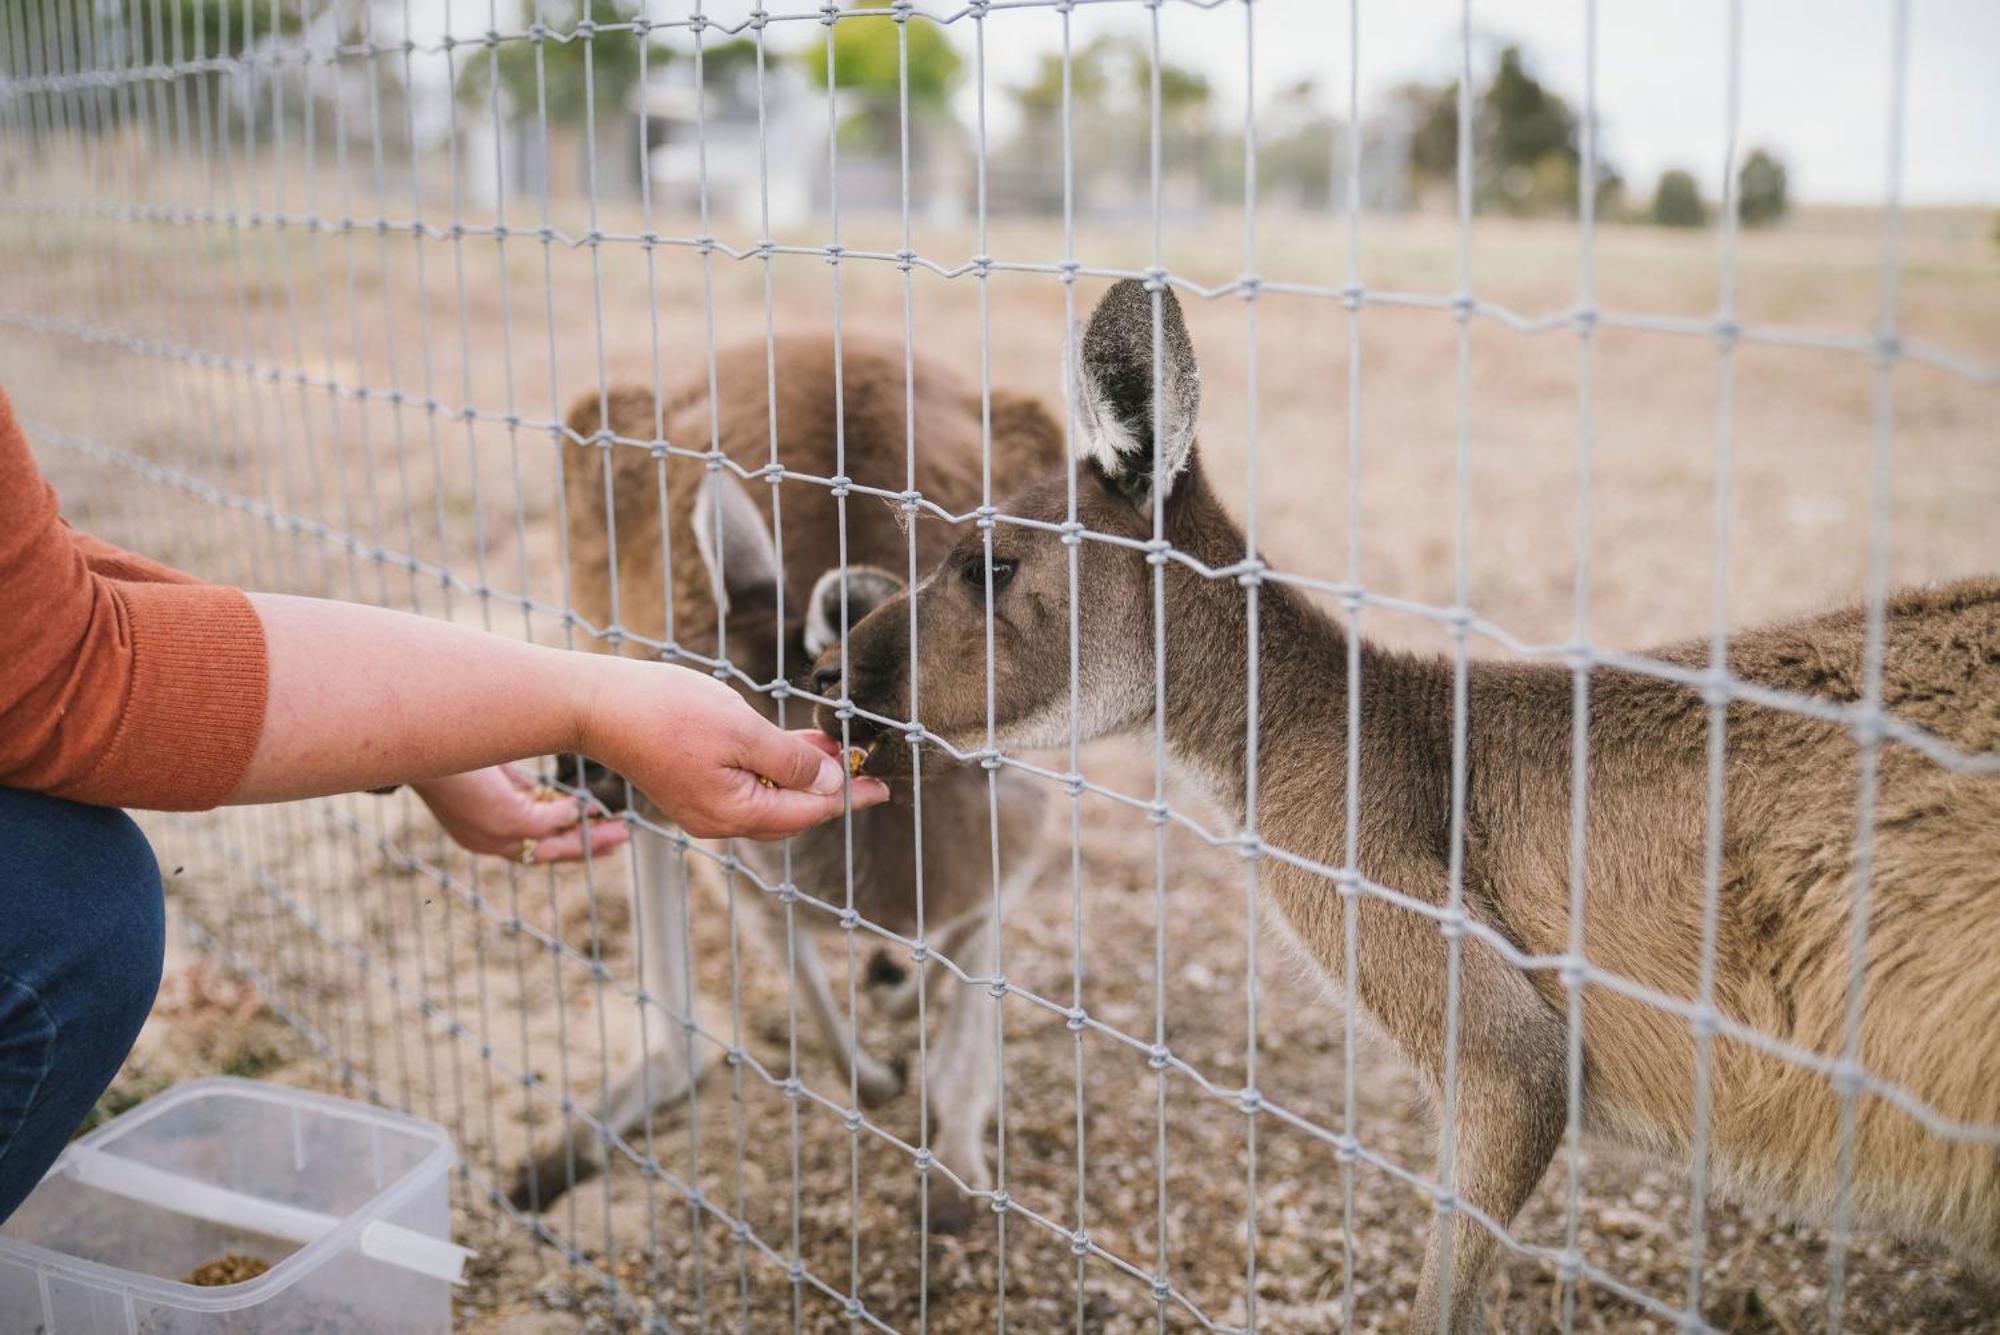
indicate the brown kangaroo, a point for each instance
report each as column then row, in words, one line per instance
column 718, row 567
column 1931, row 1026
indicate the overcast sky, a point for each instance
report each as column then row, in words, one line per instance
column 1815, row 75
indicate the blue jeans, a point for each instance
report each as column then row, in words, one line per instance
column 82, row 937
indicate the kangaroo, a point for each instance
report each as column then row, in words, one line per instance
column 1789, row 873
column 711, row 583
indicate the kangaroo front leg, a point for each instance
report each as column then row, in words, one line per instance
column 964, row 1077
column 670, row 1061
column 874, row 1083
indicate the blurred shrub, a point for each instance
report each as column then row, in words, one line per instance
column 1677, row 201
column 1760, row 189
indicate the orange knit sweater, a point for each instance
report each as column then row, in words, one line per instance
column 122, row 682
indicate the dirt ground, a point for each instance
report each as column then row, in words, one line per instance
column 384, row 965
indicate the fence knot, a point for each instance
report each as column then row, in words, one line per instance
column 1250, row 574
column 1079, row 1243
column 902, row 9
column 839, row 485
column 983, row 516
column 537, row 33
column 1451, row 924
column 1068, row 269
column 1248, row 1101
column 1887, row 346
column 1075, row 1019
column 1250, row 286
column 1346, row 1149
column 1726, row 331
column 791, row 1088
column 1868, row 727
column 851, row 1119
column 906, row 260
column 849, row 920
column 1163, row 1290
column 1002, row 1201
column 923, row 1160
column 1462, row 306
column 1848, row 1078
column 1158, row 1057
column 1351, row 295
column 828, row 13
column 1155, row 279
column 1573, row 972
column 997, row 987
column 1156, row 550
column 920, row 952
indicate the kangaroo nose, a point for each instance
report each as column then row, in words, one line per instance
column 826, row 680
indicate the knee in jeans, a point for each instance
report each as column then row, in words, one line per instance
column 129, row 931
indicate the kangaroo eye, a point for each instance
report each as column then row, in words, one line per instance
column 974, row 572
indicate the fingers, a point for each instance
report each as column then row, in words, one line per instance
column 803, row 760
column 539, row 820
column 828, row 745
column 599, row 838
column 774, row 813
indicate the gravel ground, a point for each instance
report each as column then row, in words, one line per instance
column 372, row 940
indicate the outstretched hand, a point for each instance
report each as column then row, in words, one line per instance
column 500, row 810
column 700, row 752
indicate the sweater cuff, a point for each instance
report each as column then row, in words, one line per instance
column 200, row 680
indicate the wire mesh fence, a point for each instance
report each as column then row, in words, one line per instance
column 552, row 325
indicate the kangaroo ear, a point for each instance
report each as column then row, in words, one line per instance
column 735, row 543
column 1119, row 382
column 867, row 589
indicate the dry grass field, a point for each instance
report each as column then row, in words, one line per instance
column 413, row 974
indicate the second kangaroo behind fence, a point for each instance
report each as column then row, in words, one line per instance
column 1791, row 865
column 708, row 575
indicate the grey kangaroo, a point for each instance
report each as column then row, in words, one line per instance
column 714, row 560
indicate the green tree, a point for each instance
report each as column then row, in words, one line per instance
column 868, row 62
column 1040, row 98
column 1526, row 148
column 559, row 76
column 867, row 58
column 1677, row 201
column 1761, row 191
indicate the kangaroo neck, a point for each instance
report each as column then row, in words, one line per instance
column 1302, row 708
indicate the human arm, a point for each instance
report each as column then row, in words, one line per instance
column 360, row 697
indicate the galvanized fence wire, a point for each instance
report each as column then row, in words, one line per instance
column 317, row 517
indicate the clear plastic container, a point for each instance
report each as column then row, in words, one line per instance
column 347, row 1204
